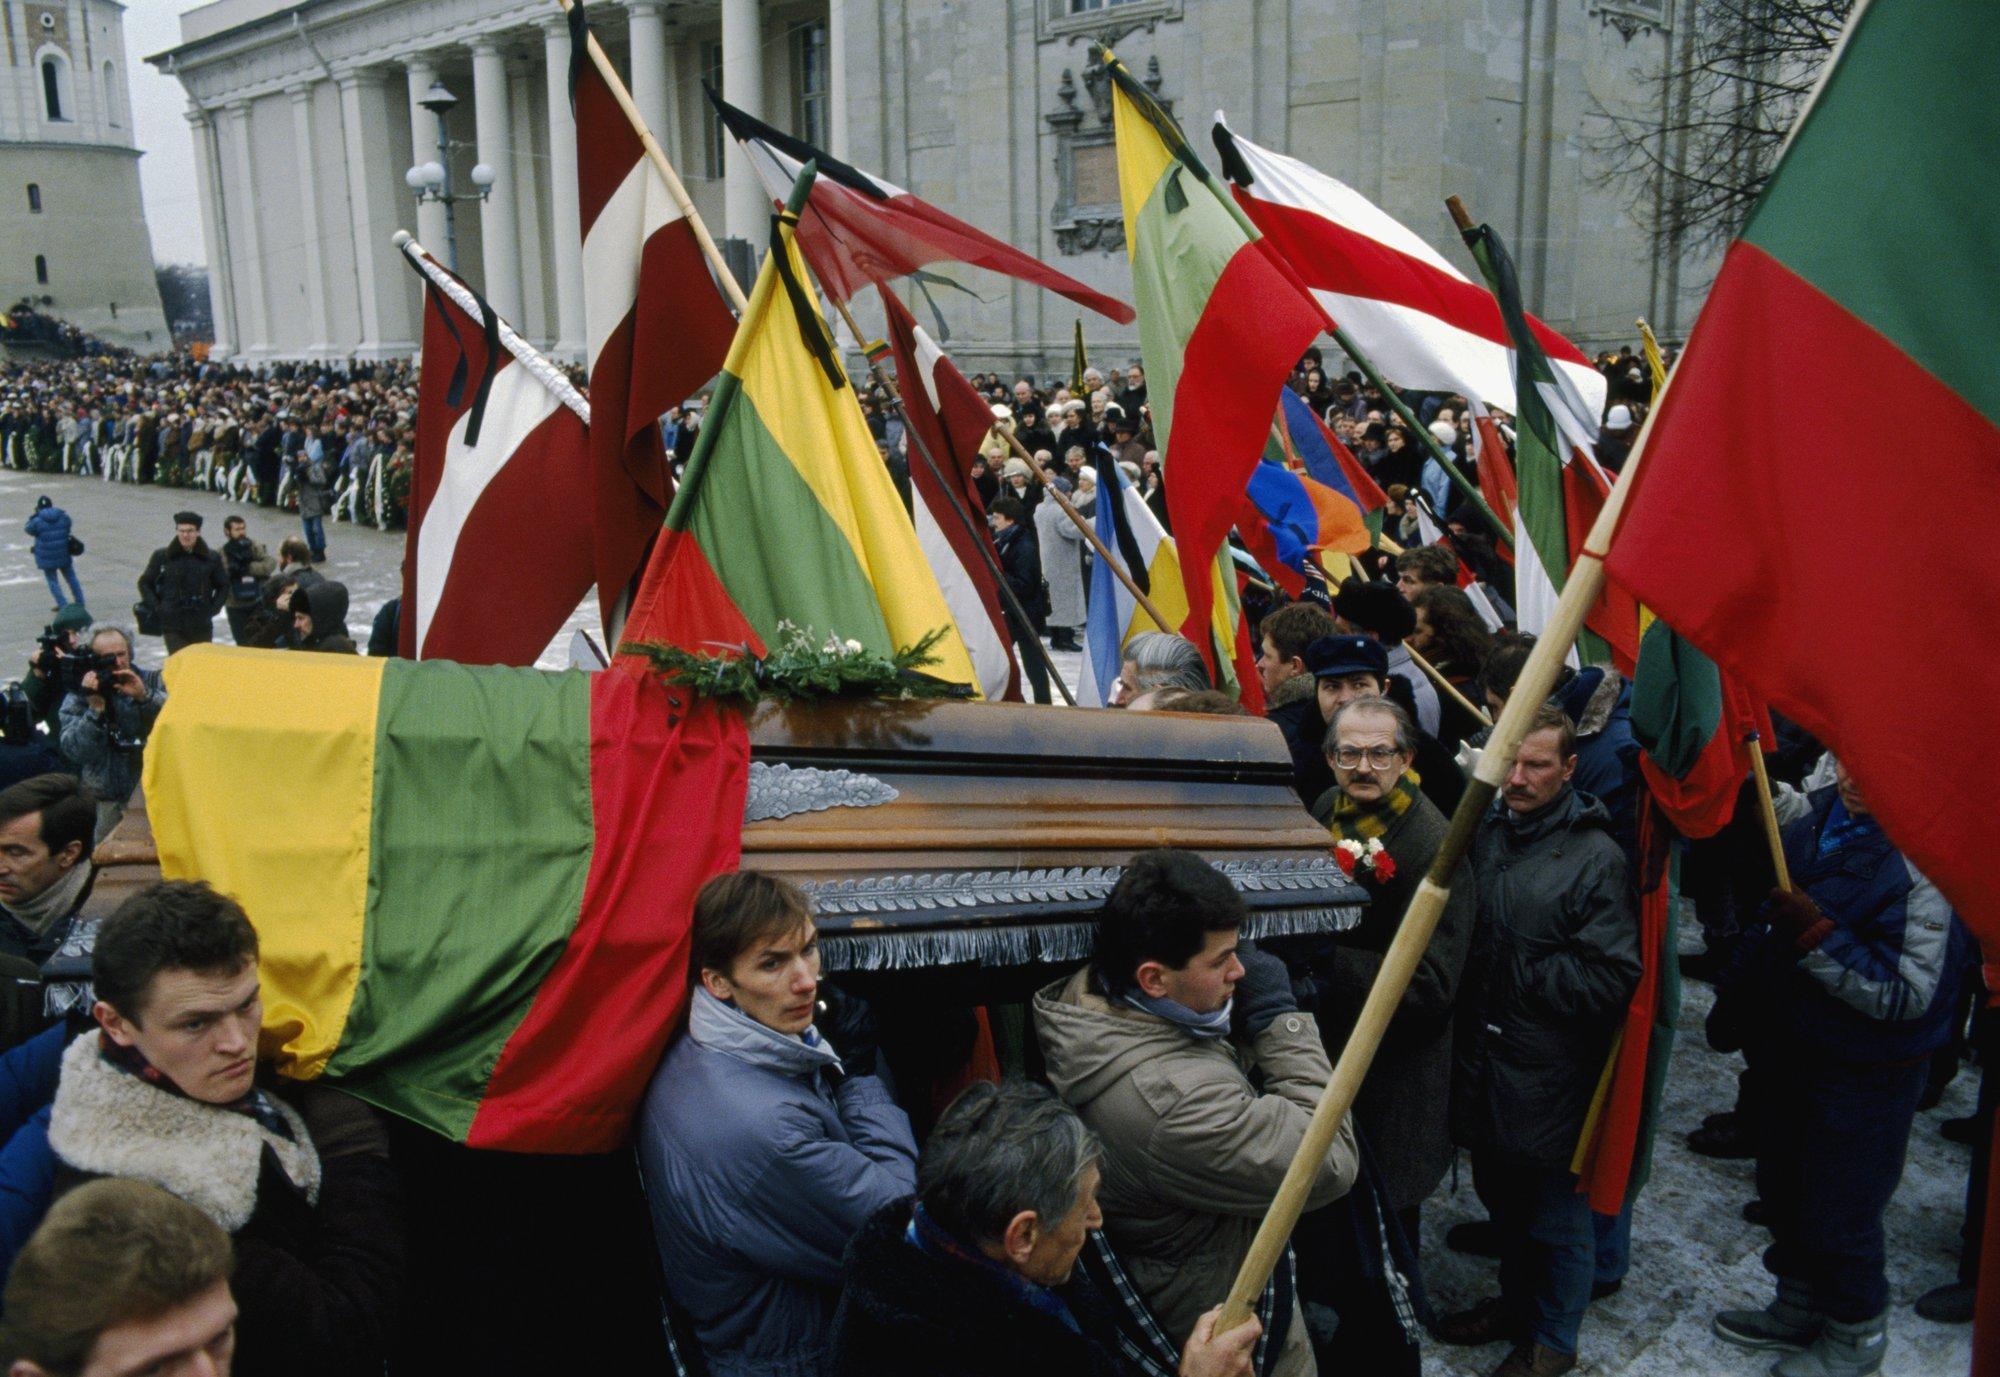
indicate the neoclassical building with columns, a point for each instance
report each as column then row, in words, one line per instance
column 309, row 119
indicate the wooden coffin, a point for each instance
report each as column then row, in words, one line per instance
column 985, row 836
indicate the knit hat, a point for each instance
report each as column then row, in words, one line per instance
column 1618, row 418
column 1016, row 467
column 73, row 617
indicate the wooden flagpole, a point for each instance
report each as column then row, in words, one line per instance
column 731, row 288
column 1437, row 677
column 1399, row 963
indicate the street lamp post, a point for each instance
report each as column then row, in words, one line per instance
column 432, row 181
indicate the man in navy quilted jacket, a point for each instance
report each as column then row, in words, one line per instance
column 1854, row 983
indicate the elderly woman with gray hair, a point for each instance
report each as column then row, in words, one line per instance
column 1158, row 660
column 979, row 1276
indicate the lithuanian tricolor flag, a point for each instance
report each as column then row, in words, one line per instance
column 471, row 886
column 1221, row 324
column 786, row 512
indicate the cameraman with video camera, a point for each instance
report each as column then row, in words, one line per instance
column 106, row 719
column 48, row 676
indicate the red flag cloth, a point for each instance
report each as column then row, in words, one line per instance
column 860, row 229
column 667, row 780
column 1607, row 1164
column 1615, row 617
column 1746, row 548
column 951, row 419
column 657, row 325
column 1496, row 471
column 1252, row 330
column 1701, row 802
column 499, row 460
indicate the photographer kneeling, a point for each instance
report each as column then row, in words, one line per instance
column 105, row 722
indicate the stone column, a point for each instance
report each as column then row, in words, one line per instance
column 747, row 210
column 208, row 186
column 387, row 330
column 836, row 78
column 254, row 324
column 567, row 250
column 650, row 91
column 422, row 71
column 308, row 165
column 499, row 237
column 526, row 179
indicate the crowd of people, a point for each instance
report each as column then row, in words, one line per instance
column 334, row 440
column 167, row 1204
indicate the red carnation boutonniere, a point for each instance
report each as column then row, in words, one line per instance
column 1369, row 860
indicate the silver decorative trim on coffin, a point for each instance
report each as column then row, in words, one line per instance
column 780, row 791
column 1049, row 910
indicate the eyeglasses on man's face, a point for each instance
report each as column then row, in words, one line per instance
column 1381, row 757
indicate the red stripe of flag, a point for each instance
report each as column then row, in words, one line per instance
column 667, row 779
column 494, row 607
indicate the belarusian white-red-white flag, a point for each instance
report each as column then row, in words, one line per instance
column 656, row 324
column 497, row 553
column 1422, row 322
column 948, row 419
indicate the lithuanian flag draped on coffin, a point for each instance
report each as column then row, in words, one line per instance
column 785, row 512
column 1221, row 325
column 471, row 886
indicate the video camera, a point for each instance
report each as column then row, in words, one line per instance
column 67, row 667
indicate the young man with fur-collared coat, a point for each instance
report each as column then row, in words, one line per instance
column 165, row 1090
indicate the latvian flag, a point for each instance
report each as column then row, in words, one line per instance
column 950, row 420
column 657, row 325
column 1423, row 323
column 862, row 229
column 498, row 549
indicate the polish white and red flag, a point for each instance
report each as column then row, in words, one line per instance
column 656, row 324
column 497, row 552
column 1422, row 322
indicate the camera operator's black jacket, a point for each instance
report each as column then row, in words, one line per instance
column 188, row 587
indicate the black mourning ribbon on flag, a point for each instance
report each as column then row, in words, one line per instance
column 579, row 48
column 810, row 325
column 454, row 395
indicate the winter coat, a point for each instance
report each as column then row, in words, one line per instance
column 1193, row 1152
column 1402, row 1107
column 1021, row 562
column 112, row 772
column 1294, row 706
column 1882, row 985
column 326, row 603
column 904, row 1313
column 1554, row 961
column 28, row 1077
column 1422, row 691
column 312, row 472
column 319, row 1246
column 50, row 527
column 247, row 565
column 1061, row 544
column 759, row 1171
column 188, row 587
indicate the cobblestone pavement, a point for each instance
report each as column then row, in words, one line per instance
column 1692, row 1253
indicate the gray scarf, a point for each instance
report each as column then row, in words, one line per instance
column 1213, row 1025
column 722, row 1027
column 41, row 913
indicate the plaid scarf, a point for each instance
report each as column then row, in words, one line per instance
column 1356, row 821
column 928, row 1238
column 256, row 1105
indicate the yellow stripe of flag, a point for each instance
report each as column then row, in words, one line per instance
column 319, row 826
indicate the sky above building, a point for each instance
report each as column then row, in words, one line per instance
column 166, row 173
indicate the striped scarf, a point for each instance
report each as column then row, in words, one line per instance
column 1356, row 821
